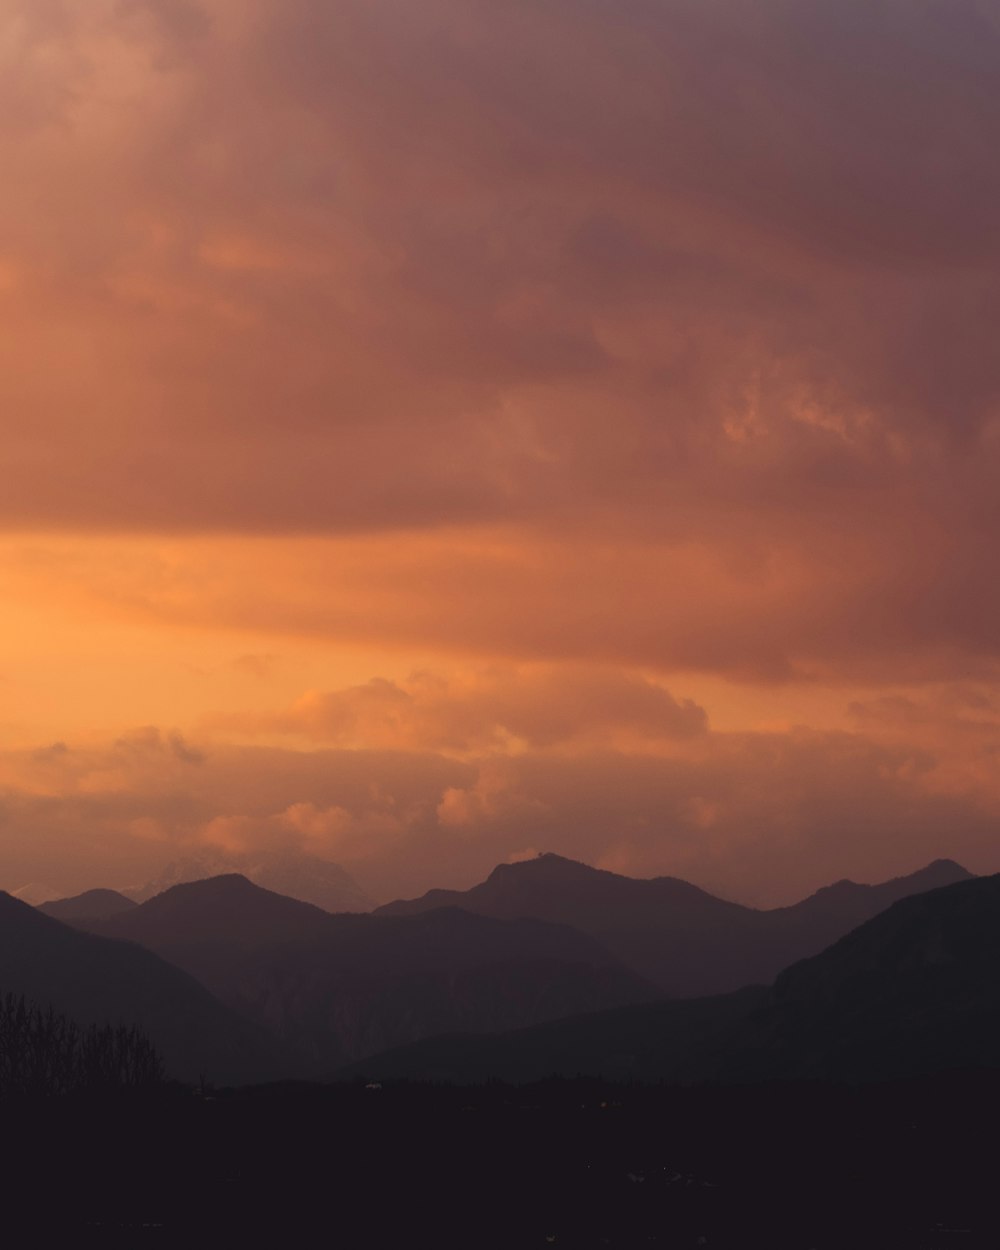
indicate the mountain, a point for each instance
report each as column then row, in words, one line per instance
column 96, row 981
column 672, row 933
column 912, row 992
column 821, row 919
column 339, row 987
column 227, row 910
column 91, row 905
column 306, row 878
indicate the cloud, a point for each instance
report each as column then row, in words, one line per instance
column 486, row 710
column 959, row 723
column 259, row 666
column 567, row 304
column 149, row 740
column 841, row 606
column 493, row 799
column 332, row 832
column 764, row 817
column 570, row 356
column 421, row 239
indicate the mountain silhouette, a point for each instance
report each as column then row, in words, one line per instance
column 306, row 878
column 672, row 933
column 823, row 917
column 335, row 987
column 227, row 910
column 91, row 905
column 93, row 980
column 913, row 991
column 910, row 993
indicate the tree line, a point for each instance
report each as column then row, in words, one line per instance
column 43, row 1053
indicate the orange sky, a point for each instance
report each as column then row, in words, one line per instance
column 437, row 432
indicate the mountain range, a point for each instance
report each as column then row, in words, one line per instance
column 684, row 940
column 911, row 992
column 548, row 965
column 336, row 987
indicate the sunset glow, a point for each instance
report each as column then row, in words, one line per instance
column 436, row 433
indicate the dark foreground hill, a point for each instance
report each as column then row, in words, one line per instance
column 671, row 932
column 96, row 981
column 913, row 991
column 335, row 988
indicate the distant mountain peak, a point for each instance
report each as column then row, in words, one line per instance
column 306, row 878
column 546, row 864
column 949, row 867
column 843, row 886
column 939, row 872
column 228, row 888
column 208, row 890
column 224, row 911
column 223, row 883
column 90, row 905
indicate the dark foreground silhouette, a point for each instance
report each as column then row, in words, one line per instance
column 906, row 1166
column 94, row 981
column 853, row 1105
column 46, row 1054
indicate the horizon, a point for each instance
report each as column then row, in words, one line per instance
column 37, row 896
column 577, row 428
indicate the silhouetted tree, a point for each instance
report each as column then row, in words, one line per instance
column 44, row 1053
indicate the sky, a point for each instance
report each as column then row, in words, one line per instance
column 437, row 433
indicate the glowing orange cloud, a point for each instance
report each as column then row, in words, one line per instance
column 518, row 400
